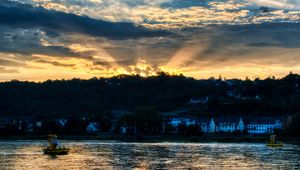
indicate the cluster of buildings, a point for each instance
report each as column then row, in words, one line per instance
column 230, row 124
column 218, row 124
column 30, row 126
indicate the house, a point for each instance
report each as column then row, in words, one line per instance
column 186, row 121
column 221, row 124
column 195, row 101
column 128, row 130
column 38, row 124
column 241, row 125
column 204, row 124
column 199, row 101
column 93, row 127
column 264, row 125
column 226, row 127
column 212, row 126
column 257, row 97
column 61, row 122
column 189, row 122
column 175, row 122
column 29, row 126
column 26, row 125
column 230, row 124
column 123, row 130
column 207, row 125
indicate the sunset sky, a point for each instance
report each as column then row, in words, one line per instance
column 64, row 39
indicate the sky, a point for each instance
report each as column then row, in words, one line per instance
column 65, row 39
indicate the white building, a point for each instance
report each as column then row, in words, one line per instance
column 38, row 124
column 241, row 125
column 61, row 122
column 264, row 126
column 207, row 125
column 93, row 127
column 204, row 124
column 199, row 100
column 212, row 126
column 186, row 121
column 226, row 127
column 189, row 122
column 123, row 129
column 230, row 124
column 175, row 122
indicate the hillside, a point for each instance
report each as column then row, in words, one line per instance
column 165, row 92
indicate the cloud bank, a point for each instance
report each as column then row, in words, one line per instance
column 56, row 39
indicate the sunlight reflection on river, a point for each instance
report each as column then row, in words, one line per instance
column 115, row 155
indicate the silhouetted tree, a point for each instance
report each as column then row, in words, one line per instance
column 70, row 98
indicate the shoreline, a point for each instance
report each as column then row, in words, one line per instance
column 161, row 138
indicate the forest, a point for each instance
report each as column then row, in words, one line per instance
column 165, row 92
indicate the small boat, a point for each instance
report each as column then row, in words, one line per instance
column 273, row 142
column 58, row 151
column 52, row 148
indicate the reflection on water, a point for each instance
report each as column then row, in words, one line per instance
column 115, row 155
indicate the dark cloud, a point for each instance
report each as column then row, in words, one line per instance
column 282, row 35
column 39, row 49
column 217, row 45
column 177, row 4
column 108, row 64
column 263, row 44
column 27, row 42
column 134, row 3
column 155, row 50
column 25, row 16
column 55, row 63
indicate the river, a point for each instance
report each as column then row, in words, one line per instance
column 117, row 155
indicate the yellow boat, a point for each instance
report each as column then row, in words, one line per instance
column 52, row 148
column 273, row 142
column 58, row 151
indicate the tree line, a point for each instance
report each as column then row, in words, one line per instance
column 56, row 98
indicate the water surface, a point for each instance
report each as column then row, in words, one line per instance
column 115, row 155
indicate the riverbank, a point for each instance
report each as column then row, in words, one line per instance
column 161, row 138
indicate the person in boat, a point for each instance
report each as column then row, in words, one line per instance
column 52, row 148
column 273, row 139
column 274, row 142
column 52, row 142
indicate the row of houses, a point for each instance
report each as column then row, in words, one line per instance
column 29, row 126
column 204, row 100
column 254, row 125
column 228, row 124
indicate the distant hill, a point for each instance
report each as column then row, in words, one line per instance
column 166, row 92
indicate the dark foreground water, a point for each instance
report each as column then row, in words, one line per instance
column 114, row 155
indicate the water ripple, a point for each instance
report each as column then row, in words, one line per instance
column 118, row 155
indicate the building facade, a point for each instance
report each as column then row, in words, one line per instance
column 264, row 126
column 255, row 125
